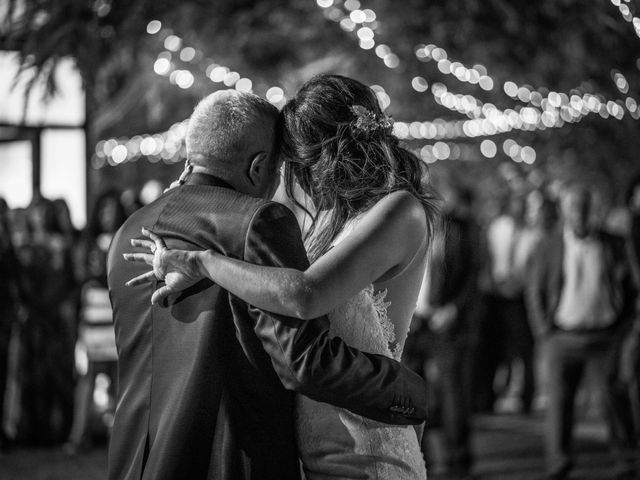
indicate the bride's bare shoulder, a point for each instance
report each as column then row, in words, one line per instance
column 396, row 223
column 401, row 209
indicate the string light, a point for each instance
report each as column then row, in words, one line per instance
column 626, row 14
column 495, row 121
column 168, row 147
column 543, row 117
column 518, row 153
column 166, row 65
column 363, row 23
column 476, row 75
column 620, row 81
column 466, row 104
column 545, row 109
column 154, row 27
column 488, row 148
column 445, row 151
column 383, row 97
column 440, row 151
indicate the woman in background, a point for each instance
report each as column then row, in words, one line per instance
column 47, row 340
column 9, row 282
column 95, row 349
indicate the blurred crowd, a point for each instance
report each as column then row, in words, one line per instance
column 57, row 349
column 530, row 304
column 524, row 296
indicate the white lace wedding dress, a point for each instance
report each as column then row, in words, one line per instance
column 334, row 443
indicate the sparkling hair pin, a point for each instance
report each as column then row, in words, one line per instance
column 367, row 121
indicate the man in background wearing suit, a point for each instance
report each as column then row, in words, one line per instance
column 206, row 386
column 445, row 329
column 579, row 297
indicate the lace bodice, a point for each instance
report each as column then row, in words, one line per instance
column 336, row 443
column 363, row 323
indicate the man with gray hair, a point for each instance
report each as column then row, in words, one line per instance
column 206, row 385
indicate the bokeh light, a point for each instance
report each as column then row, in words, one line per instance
column 172, row 43
column 153, row 27
column 488, row 148
column 419, row 84
column 162, row 66
column 187, row 54
column 244, row 85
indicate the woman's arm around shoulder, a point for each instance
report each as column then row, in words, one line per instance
column 383, row 241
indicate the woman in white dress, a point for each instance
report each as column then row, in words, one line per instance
column 372, row 221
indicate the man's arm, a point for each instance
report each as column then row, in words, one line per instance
column 306, row 359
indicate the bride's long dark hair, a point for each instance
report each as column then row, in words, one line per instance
column 338, row 146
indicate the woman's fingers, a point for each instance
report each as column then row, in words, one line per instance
column 139, row 257
column 140, row 279
column 160, row 295
column 142, row 243
column 157, row 239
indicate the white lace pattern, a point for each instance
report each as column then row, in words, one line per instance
column 337, row 444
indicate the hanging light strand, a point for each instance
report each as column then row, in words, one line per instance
column 495, row 121
column 168, row 147
column 627, row 15
column 176, row 52
column 544, row 109
column 441, row 151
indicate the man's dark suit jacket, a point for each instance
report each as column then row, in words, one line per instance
column 546, row 279
column 206, row 386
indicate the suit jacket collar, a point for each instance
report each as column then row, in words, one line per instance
column 195, row 178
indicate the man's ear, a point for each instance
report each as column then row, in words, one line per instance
column 258, row 168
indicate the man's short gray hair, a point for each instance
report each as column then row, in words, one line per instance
column 225, row 124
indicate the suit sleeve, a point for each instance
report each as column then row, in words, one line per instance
column 310, row 362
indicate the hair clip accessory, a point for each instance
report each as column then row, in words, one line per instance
column 368, row 121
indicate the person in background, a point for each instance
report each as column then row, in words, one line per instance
column 47, row 371
column 107, row 216
column 579, row 297
column 20, row 238
column 95, row 349
column 63, row 216
column 508, row 335
column 633, row 205
column 630, row 351
column 69, row 236
column 20, row 232
column 9, row 281
column 542, row 217
column 130, row 200
column 445, row 324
